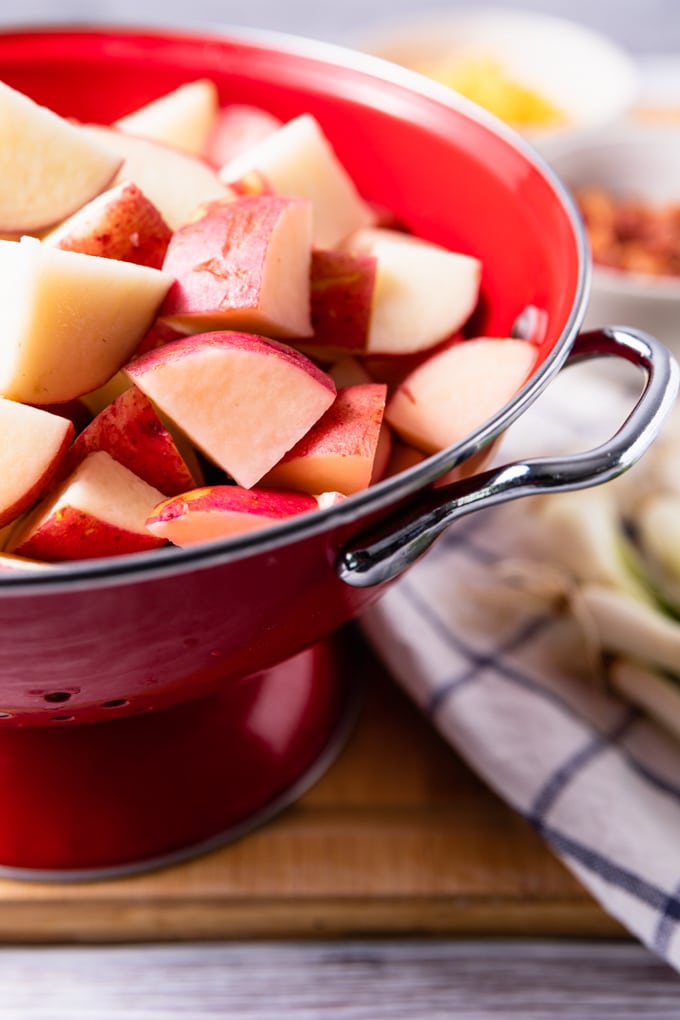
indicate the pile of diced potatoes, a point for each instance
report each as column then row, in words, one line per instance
column 205, row 329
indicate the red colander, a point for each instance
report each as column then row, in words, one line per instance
column 157, row 704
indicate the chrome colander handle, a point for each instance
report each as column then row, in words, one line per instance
column 384, row 553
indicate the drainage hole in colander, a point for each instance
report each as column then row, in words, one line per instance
column 115, row 703
column 57, row 696
column 60, row 718
column 5, row 715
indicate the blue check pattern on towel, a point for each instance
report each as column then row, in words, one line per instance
column 511, row 688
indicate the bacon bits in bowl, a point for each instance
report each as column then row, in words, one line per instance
column 626, row 182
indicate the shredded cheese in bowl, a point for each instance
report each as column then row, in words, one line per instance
column 485, row 80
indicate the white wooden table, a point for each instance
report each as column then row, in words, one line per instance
column 405, row 980
column 432, row 979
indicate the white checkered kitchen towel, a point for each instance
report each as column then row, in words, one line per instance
column 511, row 687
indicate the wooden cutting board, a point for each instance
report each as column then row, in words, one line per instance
column 398, row 837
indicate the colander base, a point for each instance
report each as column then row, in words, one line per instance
column 107, row 799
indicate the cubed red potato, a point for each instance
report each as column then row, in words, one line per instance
column 220, row 511
column 342, row 284
column 130, row 430
column 184, row 117
column 99, row 511
column 49, row 167
column 236, row 129
column 69, row 321
column 298, row 161
column 176, row 182
column 34, row 443
column 159, row 302
column 120, row 224
column 423, row 293
column 243, row 265
column 338, row 453
column 243, row 400
column 457, row 390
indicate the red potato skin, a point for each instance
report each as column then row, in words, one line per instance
column 130, row 430
column 186, row 346
column 130, row 228
column 218, row 261
column 341, row 292
column 351, row 424
column 72, row 534
column 248, row 437
column 223, row 510
column 350, row 429
column 269, row 503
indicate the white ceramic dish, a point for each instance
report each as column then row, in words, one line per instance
column 583, row 73
column 636, row 161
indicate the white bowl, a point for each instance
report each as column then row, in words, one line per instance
column 590, row 79
column 637, row 161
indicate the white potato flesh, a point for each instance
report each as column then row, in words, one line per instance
column 423, row 292
column 298, row 161
column 48, row 166
column 33, row 443
column 176, row 182
column 183, row 118
column 69, row 321
column 456, row 391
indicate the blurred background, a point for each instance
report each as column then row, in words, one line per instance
column 643, row 26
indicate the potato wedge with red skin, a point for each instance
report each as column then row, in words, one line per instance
column 298, row 161
column 69, row 321
column 131, row 431
column 34, row 444
column 341, row 295
column 423, row 292
column 184, row 117
column 49, row 167
column 243, row 264
column 338, row 453
column 175, row 181
column 219, row 511
column 457, row 390
column 242, row 399
column 98, row 511
column 120, row 224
